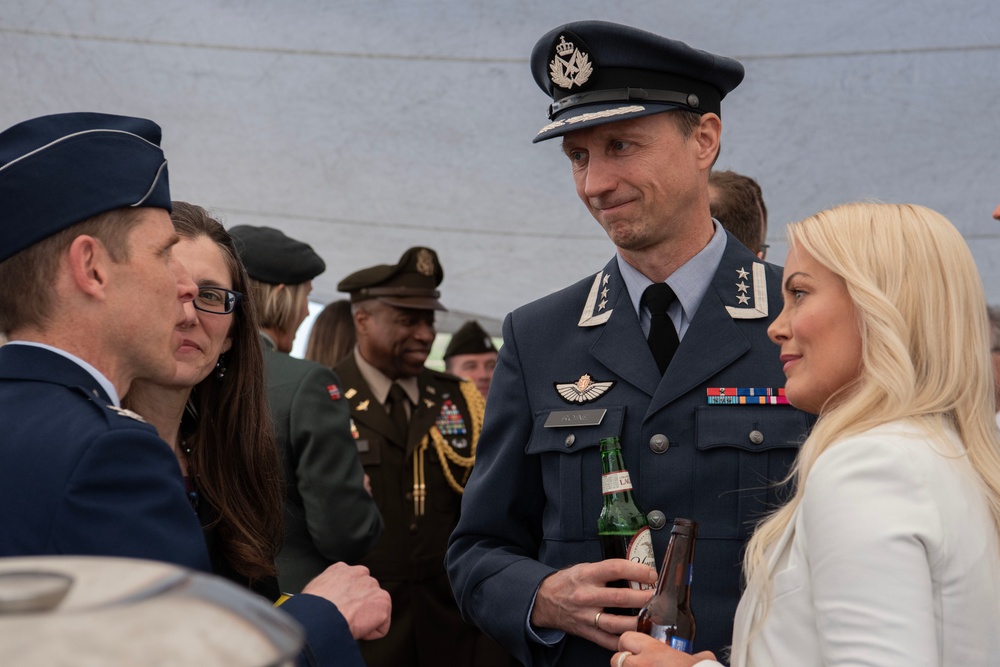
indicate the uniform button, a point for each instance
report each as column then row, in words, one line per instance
column 756, row 437
column 659, row 443
column 409, row 496
column 656, row 519
column 413, row 527
column 570, row 439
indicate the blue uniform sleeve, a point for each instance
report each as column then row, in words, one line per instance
column 125, row 497
column 329, row 642
column 492, row 557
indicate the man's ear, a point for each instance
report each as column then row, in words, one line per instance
column 89, row 265
column 361, row 318
column 708, row 134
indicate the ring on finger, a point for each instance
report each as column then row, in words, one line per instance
column 597, row 620
column 622, row 656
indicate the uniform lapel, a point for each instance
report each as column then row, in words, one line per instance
column 424, row 413
column 620, row 344
column 365, row 409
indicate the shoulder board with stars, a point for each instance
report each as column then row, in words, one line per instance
column 583, row 390
column 127, row 413
column 595, row 310
column 751, row 298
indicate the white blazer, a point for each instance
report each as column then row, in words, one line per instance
column 891, row 559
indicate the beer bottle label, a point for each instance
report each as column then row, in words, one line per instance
column 615, row 482
column 680, row 644
column 640, row 550
column 661, row 633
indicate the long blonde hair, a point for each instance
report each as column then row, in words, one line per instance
column 925, row 344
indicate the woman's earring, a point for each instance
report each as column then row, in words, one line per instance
column 220, row 368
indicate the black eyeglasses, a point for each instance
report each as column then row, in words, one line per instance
column 218, row 300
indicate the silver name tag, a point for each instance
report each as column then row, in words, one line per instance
column 563, row 418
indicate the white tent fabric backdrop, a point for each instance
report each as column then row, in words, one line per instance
column 367, row 126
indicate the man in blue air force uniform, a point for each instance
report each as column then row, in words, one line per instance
column 91, row 298
column 704, row 439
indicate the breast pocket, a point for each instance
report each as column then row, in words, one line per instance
column 744, row 454
column 567, row 443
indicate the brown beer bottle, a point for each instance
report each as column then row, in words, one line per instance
column 667, row 616
column 622, row 527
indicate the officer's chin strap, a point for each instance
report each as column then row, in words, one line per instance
column 477, row 406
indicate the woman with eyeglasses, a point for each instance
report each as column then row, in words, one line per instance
column 215, row 416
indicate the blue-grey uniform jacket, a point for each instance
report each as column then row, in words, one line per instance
column 532, row 503
column 81, row 477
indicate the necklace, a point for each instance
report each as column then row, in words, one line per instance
column 189, row 479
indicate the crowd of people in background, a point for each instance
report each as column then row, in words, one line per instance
column 832, row 424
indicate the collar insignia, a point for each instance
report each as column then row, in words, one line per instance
column 569, row 66
column 583, row 390
column 128, row 413
column 751, row 298
column 363, row 405
column 595, row 310
column 350, row 393
column 429, row 403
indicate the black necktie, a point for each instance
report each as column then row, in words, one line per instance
column 662, row 337
column 397, row 411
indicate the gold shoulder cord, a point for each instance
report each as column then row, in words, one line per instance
column 477, row 408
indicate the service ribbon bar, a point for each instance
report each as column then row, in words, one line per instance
column 746, row 396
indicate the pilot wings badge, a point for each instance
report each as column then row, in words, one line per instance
column 583, row 390
column 752, row 298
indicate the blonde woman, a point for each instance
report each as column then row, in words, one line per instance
column 888, row 552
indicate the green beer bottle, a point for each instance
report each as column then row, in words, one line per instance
column 622, row 527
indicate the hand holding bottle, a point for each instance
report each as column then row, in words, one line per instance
column 571, row 599
column 639, row 650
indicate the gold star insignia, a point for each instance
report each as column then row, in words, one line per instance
column 603, row 304
column 607, row 277
column 743, row 287
column 743, row 298
column 742, row 273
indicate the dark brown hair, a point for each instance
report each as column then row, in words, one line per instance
column 228, row 426
column 736, row 201
column 332, row 336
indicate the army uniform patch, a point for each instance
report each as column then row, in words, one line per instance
column 334, row 392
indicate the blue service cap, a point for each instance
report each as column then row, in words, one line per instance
column 598, row 72
column 58, row 170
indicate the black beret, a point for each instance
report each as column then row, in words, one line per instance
column 598, row 72
column 469, row 339
column 271, row 257
column 56, row 171
column 410, row 283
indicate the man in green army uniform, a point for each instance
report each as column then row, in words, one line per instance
column 329, row 514
column 416, row 431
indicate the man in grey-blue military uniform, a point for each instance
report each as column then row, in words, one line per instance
column 699, row 407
